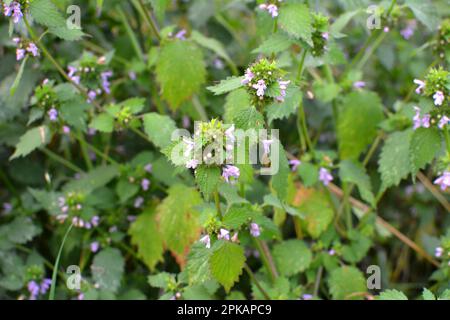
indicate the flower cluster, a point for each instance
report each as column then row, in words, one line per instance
column 139, row 175
column 46, row 101
column 35, row 288
column 264, row 81
column 226, row 235
column 71, row 207
column 271, row 7
column 92, row 73
column 442, row 47
column 14, row 9
column 409, row 30
column 320, row 34
column 25, row 47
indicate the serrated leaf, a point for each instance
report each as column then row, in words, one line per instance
column 428, row 295
column 249, row 118
column 392, row 295
column 197, row 266
column 227, row 85
column 227, row 263
column 180, row 71
column 425, row 144
column 46, row 13
column 107, row 269
column 292, row 257
column 74, row 113
column 159, row 129
column 179, row 220
column 425, row 11
column 353, row 172
column 145, row 235
column 287, row 108
column 207, row 179
column 317, row 211
column 359, row 115
column 345, row 281
column 394, row 163
column 31, row 140
column 92, row 180
column 236, row 101
column 63, row 32
column 275, row 43
column 104, row 122
column 20, row 230
column 296, row 20
column 237, row 215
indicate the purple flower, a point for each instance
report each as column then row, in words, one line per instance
column 248, row 77
column 230, row 171
column 443, row 181
column 181, row 34
column 255, row 230
column 138, row 202
column 206, row 240
column 421, row 85
column 271, row 8
column 13, row 9
column 33, row 289
column 218, row 64
column 438, row 98
column 45, row 285
column 80, row 296
column 444, row 121
column 229, row 133
column 95, row 221
column 132, row 75
column 224, row 234
column 53, row 114
column 94, row 246
column 438, row 252
column 408, row 32
column 260, row 88
column 145, row 184
column 421, row 122
column 91, row 96
column 294, row 163
column 283, row 87
column 307, row 296
column 326, row 35
column 386, row 29
column 192, row 164
column 325, row 176
column 72, row 74
column 20, row 54
column 359, row 84
column 7, row 207
column 66, row 129
column 331, row 252
column 266, row 145
column 33, row 49
column 105, row 81
column 148, row 168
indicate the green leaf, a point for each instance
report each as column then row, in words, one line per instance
column 394, row 163
column 161, row 280
column 249, row 118
column 211, row 44
column 318, row 213
column 180, row 71
column 160, row 7
column 227, row 263
column 275, row 43
column 31, row 140
column 359, row 115
column 107, row 269
column 292, row 257
column 296, row 20
column 353, row 172
column 197, row 266
column 16, row 82
column 104, row 122
column 46, row 13
column 92, row 180
column 126, row 190
column 236, row 102
column 279, row 181
column 425, row 11
column 393, row 295
column 345, row 281
column 425, row 144
column 67, row 34
column 74, row 113
column 287, row 108
column 159, row 129
column 237, row 215
column 20, row 230
column 227, row 85
column 145, row 235
column 179, row 219
column 207, row 179
column 358, row 247
column 428, row 295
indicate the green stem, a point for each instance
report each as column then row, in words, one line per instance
column 256, row 282
column 84, row 151
column 149, row 20
column 55, row 269
column 61, row 160
column 266, row 259
column 134, row 41
column 217, row 202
